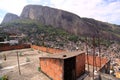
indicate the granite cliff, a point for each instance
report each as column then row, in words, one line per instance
column 10, row 17
column 67, row 21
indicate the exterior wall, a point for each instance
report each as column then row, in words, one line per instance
column 80, row 64
column 6, row 48
column 97, row 60
column 45, row 49
column 52, row 67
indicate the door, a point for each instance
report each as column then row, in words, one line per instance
column 70, row 69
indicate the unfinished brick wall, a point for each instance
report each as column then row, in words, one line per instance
column 97, row 60
column 80, row 64
column 52, row 67
column 14, row 47
column 45, row 49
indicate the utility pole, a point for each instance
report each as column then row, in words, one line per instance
column 93, row 55
column 99, row 50
column 95, row 45
column 87, row 53
column 18, row 63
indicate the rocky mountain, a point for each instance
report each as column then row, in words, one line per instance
column 56, row 18
column 67, row 21
column 10, row 17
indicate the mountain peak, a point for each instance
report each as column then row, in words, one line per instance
column 10, row 17
column 70, row 22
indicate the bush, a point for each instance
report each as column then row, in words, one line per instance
column 39, row 69
column 32, row 49
column 5, row 77
column 20, row 54
column 27, row 59
column 73, row 38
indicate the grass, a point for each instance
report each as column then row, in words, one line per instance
column 39, row 69
column 27, row 59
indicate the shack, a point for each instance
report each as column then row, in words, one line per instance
column 63, row 66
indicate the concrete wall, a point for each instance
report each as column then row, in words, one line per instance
column 52, row 67
column 45, row 49
column 97, row 60
column 14, row 47
column 80, row 64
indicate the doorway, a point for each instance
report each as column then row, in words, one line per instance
column 70, row 69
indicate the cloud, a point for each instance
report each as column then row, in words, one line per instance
column 1, row 19
column 2, row 13
column 39, row 2
column 104, row 10
column 107, row 12
column 13, row 6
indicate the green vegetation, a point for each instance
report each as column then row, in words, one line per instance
column 39, row 34
column 32, row 49
column 73, row 38
column 20, row 54
column 5, row 77
column 27, row 59
column 46, row 35
column 39, row 69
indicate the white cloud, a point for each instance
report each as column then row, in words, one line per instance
column 105, row 10
column 1, row 19
column 33, row 1
column 98, row 9
column 13, row 6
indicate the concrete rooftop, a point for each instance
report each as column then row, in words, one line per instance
column 63, row 55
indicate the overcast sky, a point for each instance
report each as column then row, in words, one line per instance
column 103, row 10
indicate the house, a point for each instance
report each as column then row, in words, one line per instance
column 63, row 66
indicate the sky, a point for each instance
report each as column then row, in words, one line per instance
column 102, row 10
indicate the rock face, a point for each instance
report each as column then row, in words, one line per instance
column 57, row 18
column 10, row 17
column 67, row 21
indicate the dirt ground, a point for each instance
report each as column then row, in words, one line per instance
column 29, row 68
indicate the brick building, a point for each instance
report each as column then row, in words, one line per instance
column 63, row 66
